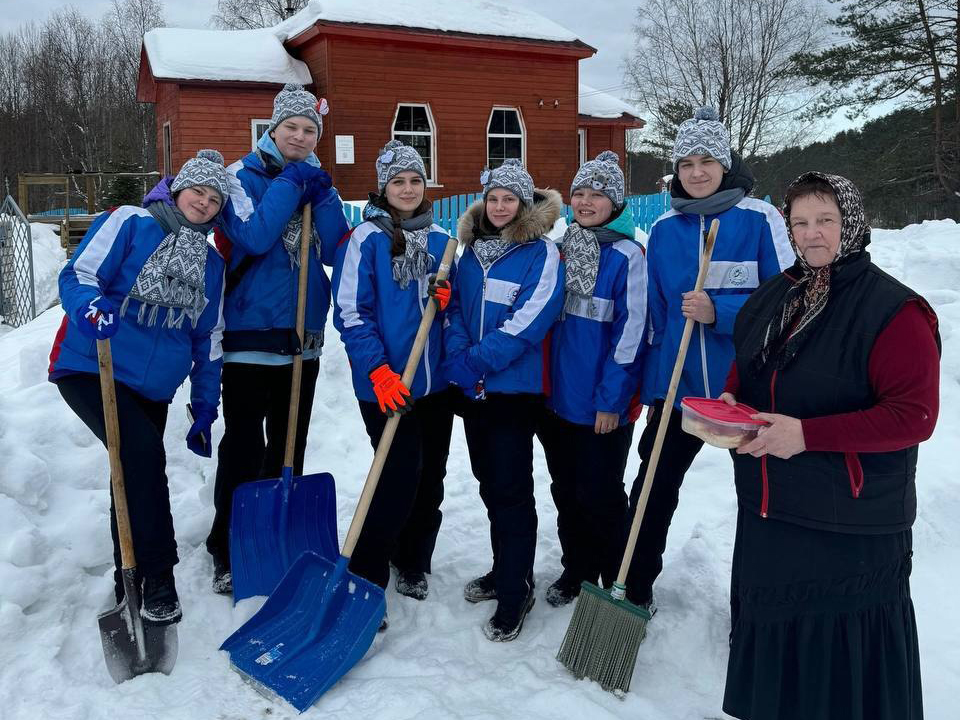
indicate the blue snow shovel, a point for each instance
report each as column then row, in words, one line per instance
column 273, row 521
column 321, row 619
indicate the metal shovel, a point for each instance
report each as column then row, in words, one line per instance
column 130, row 647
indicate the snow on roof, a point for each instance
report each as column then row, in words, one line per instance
column 476, row 17
column 599, row 104
column 245, row 55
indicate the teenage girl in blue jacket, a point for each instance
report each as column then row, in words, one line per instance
column 506, row 296
column 263, row 222
column 148, row 279
column 595, row 370
column 710, row 182
column 382, row 281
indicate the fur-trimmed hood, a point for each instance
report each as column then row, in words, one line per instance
column 530, row 223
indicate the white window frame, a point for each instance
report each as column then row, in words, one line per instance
column 167, row 141
column 432, row 166
column 253, row 130
column 582, row 135
column 522, row 136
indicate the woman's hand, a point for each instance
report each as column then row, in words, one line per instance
column 782, row 438
column 698, row 306
column 728, row 398
column 605, row 422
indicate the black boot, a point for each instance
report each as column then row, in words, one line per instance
column 563, row 590
column 506, row 624
column 161, row 606
column 480, row 589
column 412, row 584
column 222, row 577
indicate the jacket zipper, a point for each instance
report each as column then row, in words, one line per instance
column 483, row 296
column 765, row 497
column 425, row 358
column 703, row 344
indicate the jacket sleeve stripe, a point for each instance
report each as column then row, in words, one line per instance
column 629, row 343
column 93, row 254
column 216, row 335
column 522, row 319
column 242, row 203
column 349, row 279
column 778, row 230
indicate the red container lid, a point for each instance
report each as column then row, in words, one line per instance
column 721, row 412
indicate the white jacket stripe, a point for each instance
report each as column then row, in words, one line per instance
column 778, row 230
column 88, row 262
column 350, row 277
column 242, row 203
column 216, row 335
column 541, row 295
column 632, row 335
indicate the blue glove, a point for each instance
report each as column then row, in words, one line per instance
column 319, row 188
column 463, row 370
column 97, row 320
column 302, row 173
column 198, row 437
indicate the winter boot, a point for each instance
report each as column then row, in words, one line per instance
column 412, row 584
column 222, row 577
column 385, row 623
column 161, row 606
column 505, row 625
column 480, row 589
column 563, row 590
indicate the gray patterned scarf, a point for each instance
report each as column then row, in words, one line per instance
column 173, row 276
column 291, row 238
column 489, row 248
column 581, row 256
column 415, row 261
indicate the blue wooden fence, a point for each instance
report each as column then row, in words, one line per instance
column 446, row 211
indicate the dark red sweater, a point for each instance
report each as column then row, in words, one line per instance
column 904, row 370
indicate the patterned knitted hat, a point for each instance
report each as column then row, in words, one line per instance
column 703, row 134
column 205, row 169
column 603, row 174
column 509, row 176
column 294, row 100
column 395, row 158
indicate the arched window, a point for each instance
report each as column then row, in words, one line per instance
column 505, row 136
column 413, row 125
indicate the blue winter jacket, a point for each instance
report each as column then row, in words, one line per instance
column 596, row 359
column 152, row 360
column 751, row 246
column 507, row 311
column 377, row 319
column 254, row 220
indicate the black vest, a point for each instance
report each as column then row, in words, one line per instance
column 828, row 375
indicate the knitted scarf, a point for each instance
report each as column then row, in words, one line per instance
column 581, row 255
column 415, row 262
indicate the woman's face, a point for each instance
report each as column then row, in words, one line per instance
column 296, row 137
column 199, row 204
column 591, row 208
column 815, row 225
column 502, row 207
column 700, row 175
column 404, row 192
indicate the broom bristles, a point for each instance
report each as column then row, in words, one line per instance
column 603, row 638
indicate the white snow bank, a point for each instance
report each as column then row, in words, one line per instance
column 239, row 55
column 55, row 556
column 48, row 259
column 599, row 104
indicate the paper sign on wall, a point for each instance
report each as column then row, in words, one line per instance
column 344, row 146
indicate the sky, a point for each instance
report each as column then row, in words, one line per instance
column 606, row 25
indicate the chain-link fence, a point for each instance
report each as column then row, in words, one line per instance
column 17, row 302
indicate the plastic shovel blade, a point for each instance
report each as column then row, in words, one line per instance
column 131, row 647
column 273, row 522
column 316, row 625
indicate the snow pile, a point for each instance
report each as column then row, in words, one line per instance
column 599, row 104
column 55, row 564
column 48, row 258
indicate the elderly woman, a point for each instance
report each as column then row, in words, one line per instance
column 843, row 361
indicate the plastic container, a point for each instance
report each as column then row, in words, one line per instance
column 718, row 424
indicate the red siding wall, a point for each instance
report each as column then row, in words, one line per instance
column 364, row 80
column 607, row 137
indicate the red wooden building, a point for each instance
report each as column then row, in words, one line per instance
column 466, row 86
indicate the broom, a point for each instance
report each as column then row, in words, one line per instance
column 605, row 632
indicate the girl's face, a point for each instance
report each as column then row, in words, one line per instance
column 591, row 208
column 815, row 225
column 296, row 137
column 404, row 192
column 199, row 204
column 700, row 175
column 502, row 207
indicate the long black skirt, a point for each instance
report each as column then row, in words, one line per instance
column 823, row 625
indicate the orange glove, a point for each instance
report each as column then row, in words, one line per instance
column 390, row 391
column 439, row 291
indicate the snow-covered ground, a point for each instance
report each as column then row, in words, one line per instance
column 433, row 661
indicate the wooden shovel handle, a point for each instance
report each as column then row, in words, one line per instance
column 667, row 411
column 306, row 240
column 386, row 439
column 108, row 392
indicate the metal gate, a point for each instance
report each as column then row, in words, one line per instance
column 17, row 301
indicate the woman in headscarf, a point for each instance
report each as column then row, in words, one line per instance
column 843, row 362
column 148, row 279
